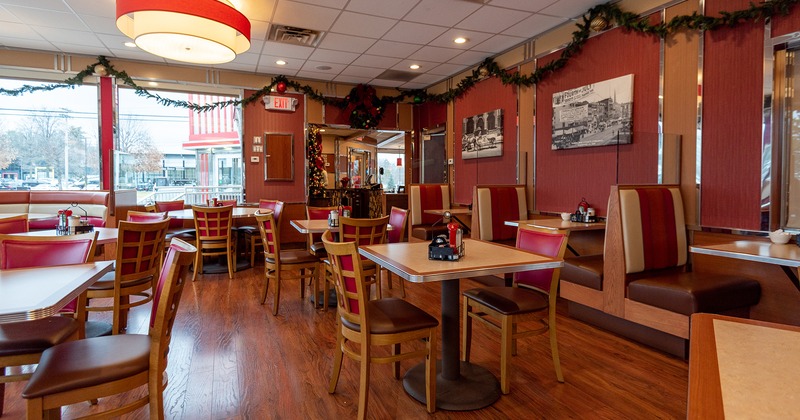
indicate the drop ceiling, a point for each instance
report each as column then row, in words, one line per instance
column 360, row 39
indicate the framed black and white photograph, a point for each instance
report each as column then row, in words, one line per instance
column 483, row 135
column 599, row 114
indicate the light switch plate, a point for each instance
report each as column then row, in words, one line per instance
column 254, row 159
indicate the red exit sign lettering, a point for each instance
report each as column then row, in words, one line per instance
column 280, row 103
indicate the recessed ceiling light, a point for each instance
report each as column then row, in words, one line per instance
column 321, row 130
column 460, row 40
column 153, row 83
column 414, row 66
column 280, row 63
column 324, row 67
column 130, row 44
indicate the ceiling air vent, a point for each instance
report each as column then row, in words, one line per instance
column 397, row 75
column 294, row 35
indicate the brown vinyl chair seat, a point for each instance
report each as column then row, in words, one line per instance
column 428, row 232
column 586, row 270
column 35, row 336
column 509, row 300
column 318, row 249
column 385, row 313
column 294, row 256
column 107, row 282
column 186, row 234
column 84, row 363
column 689, row 293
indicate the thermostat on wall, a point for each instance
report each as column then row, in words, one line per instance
column 254, row 159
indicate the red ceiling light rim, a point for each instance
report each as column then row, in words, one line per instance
column 212, row 10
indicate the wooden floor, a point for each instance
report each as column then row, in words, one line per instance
column 231, row 359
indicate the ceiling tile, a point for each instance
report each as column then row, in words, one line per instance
column 376, row 61
column 534, row 25
column 304, row 15
column 335, row 4
column 101, row 25
column 48, row 18
column 314, row 75
column 115, row 42
column 352, row 79
column 492, row 19
column 359, row 71
column 31, row 44
column 395, row 9
column 68, row 36
column 415, row 85
column 498, row 43
column 448, row 69
column 340, row 42
column 18, row 30
column 393, row 49
column 570, row 9
column 271, row 68
column 247, row 68
column 286, row 50
column 90, row 50
column 473, row 38
column 313, row 66
column 52, row 5
column 414, row 33
column 435, row 54
column 424, row 66
column 255, row 10
column 362, row 25
column 333, row 56
column 258, row 30
column 527, row 5
column 469, row 58
column 6, row 16
column 291, row 63
column 92, row 7
column 248, row 59
column 441, row 12
column 131, row 54
column 427, row 78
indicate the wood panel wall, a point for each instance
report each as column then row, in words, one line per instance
column 258, row 121
column 563, row 177
column 487, row 95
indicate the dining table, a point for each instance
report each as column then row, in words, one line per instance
column 306, row 226
column 454, row 213
column 743, row 368
column 38, row 292
column 786, row 256
column 31, row 216
column 238, row 212
column 460, row 386
column 553, row 223
column 105, row 235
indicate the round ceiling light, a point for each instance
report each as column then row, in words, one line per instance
column 198, row 31
column 414, row 66
column 323, row 67
column 460, row 40
column 280, row 63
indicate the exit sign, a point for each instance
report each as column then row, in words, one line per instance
column 280, row 103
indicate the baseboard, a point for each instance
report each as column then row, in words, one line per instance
column 660, row 340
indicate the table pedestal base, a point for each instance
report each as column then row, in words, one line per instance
column 476, row 388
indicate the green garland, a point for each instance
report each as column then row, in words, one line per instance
column 316, row 164
column 366, row 108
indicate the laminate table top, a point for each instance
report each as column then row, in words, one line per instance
column 460, row 385
column 104, row 235
column 558, row 224
column 33, row 293
column 306, row 226
column 31, row 216
column 787, row 256
column 743, row 368
column 238, row 212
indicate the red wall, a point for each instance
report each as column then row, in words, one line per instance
column 427, row 115
column 258, row 121
column 732, row 75
column 563, row 177
column 487, row 95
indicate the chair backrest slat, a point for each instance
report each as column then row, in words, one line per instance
column 146, row 216
column 363, row 231
column 15, row 224
column 398, row 219
column 546, row 242
column 270, row 239
column 213, row 223
column 351, row 288
column 17, row 251
column 139, row 249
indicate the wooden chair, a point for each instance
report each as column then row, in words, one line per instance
column 22, row 343
column 221, row 203
column 398, row 218
column 502, row 308
column 14, row 224
column 382, row 322
column 364, row 232
column 140, row 248
column 145, row 216
column 251, row 233
column 282, row 265
column 176, row 229
column 97, row 367
column 213, row 228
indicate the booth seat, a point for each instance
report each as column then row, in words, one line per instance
column 95, row 203
column 492, row 206
column 641, row 286
column 423, row 197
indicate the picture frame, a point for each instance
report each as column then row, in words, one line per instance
column 598, row 114
column 482, row 135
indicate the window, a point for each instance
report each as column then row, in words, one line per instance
column 394, row 171
column 49, row 139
